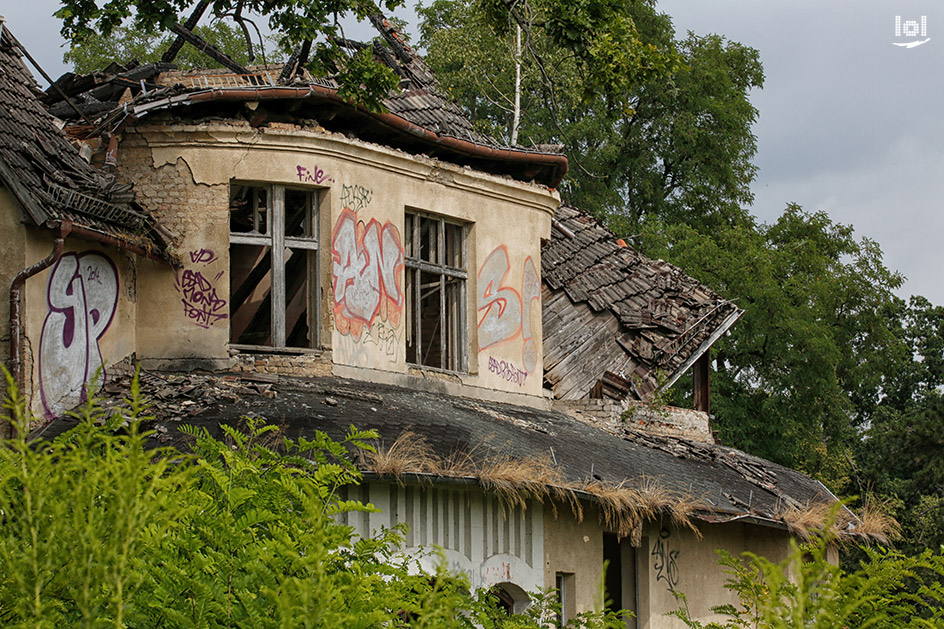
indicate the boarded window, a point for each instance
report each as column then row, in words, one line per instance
column 436, row 277
column 273, row 266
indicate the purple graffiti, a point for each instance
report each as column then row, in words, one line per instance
column 201, row 303
column 315, row 175
column 507, row 371
column 203, row 256
column 82, row 296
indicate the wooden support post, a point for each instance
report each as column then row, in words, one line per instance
column 209, row 50
column 701, row 383
column 171, row 53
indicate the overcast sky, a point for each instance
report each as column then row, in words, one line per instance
column 849, row 123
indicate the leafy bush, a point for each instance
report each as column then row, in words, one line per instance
column 98, row 529
column 889, row 589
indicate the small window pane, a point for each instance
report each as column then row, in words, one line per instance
column 430, row 322
column 299, row 265
column 248, row 210
column 429, row 239
column 454, row 246
column 298, row 222
column 250, row 295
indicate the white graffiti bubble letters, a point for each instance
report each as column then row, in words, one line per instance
column 82, row 296
column 502, row 305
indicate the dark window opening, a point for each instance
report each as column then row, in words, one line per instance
column 436, row 293
column 273, row 266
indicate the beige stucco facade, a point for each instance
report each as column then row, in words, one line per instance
column 184, row 174
column 663, row 560
column 362, row 192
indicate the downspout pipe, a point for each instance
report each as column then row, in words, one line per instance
column 16, row 288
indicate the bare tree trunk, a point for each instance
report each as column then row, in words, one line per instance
column 516, row 118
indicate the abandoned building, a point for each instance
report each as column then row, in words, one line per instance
column 259, row 246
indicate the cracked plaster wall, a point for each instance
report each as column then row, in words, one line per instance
column 182, row 173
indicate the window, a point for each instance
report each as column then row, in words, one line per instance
column 435, row 261
column 273, row 266
column 566, row 597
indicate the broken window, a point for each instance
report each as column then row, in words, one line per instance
column 273, row 266
column 436, row 277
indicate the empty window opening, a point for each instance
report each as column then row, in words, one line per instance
column 620, row 581
column 436, row 292
column 566, row 597
column 273, row 266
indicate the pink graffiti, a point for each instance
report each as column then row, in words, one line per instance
column 501, row 319
column 203, row 256
column 531, row 289
column 507, row 371
column 201, row 303
column 82, row 297
column 366, row 264
column 506, row 314
column 315, row 175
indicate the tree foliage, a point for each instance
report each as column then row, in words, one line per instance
column 125, row 43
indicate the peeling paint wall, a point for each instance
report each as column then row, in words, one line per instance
column 78, row 318
column 183, row 174
column 666, row 560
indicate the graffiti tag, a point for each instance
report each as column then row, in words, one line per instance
column 203, row 256
column 82, row 296
column 367, row 261
column 507, row 371
column 315, row 175
column 505, row 314
column 355, row 197
column 202, row 305
column 665, row 563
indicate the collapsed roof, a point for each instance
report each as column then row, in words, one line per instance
column 645, row 318
column 718, row 483
column 49, row 178
column 418, row 118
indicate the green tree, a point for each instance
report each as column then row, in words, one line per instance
column 95, row 51
column 803, row 368
column 677, row 144
column 600, row 35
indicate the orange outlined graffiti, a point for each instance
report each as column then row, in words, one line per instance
column 367, row 261
column 507, row 313
column 502, row 305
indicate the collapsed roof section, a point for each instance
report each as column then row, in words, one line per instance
column 616, row 323
column 418, row 118
column 456, row 439
column 49, row 178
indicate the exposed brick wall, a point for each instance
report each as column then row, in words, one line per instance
column 608, row 415
column 317, row 364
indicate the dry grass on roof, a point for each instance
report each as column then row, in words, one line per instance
column 623, row 507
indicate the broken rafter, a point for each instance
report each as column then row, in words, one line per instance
column 171, row 53
column 206, row 48
column 295, row 62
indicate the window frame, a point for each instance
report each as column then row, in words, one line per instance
column 278, row 242
column 414, row 265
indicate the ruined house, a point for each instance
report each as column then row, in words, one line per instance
column 260, row 246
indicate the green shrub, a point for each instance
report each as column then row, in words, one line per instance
column 888, row 589
column 99, row 530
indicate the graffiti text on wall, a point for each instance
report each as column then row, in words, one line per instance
column 82, row 296
column 507, row 371
column 367, row 260
column 355, row 198
column 506, row 314
column 202, row 305
column 665, row 563
column 312, row 175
